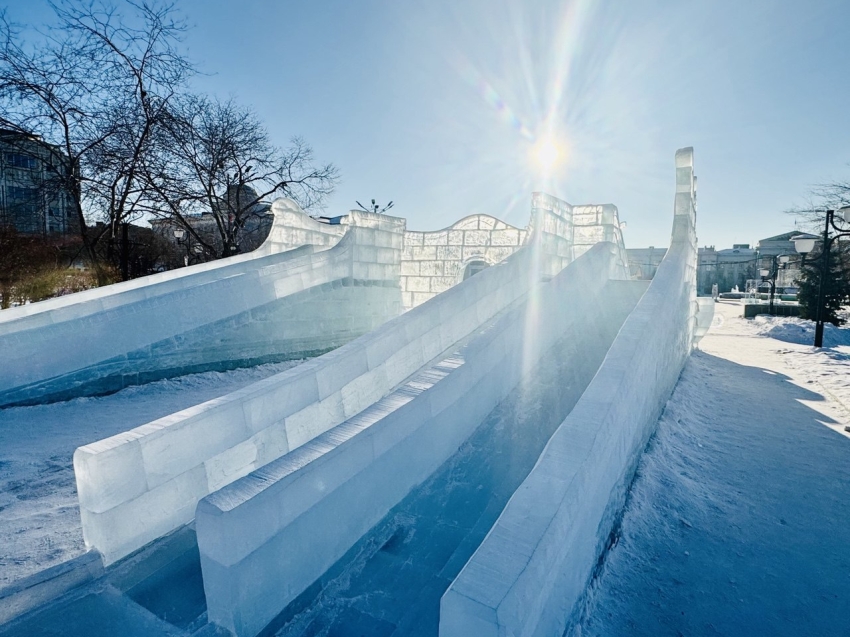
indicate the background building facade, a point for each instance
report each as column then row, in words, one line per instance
column 30, row 199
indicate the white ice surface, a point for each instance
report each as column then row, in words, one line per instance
column 39, row 513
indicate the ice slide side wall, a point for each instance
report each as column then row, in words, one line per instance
column 267, row 537
column 139, row 485
column 189, row 319
column 532, row 569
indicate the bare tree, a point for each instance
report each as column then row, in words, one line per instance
column 95, row 88
column 221, row 162
column 811, row 215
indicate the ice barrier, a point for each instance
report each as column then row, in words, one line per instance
column 531, row 571
column 139, row 485
column 274, row 303
column 268, row 536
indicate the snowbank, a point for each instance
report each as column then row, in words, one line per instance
column 254, row 308
column 801, row 331
column 534, row 565
column 253, row 534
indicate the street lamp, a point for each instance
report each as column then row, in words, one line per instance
column 770, row 275
column 804, row 245
column 182, row 240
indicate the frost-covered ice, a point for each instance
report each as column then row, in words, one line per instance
column 39, row 513
column 737, row 521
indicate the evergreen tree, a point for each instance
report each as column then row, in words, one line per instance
column 837, row 285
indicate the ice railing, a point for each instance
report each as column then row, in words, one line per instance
column 595, row 223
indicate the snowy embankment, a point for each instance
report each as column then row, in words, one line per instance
column 737, row 521
column 800, row 331
column 39, row 514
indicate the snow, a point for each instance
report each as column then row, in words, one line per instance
column 737, row 521
column 785, row 344
column 800, row 331
column 39, row 514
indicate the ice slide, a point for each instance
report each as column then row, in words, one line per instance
column 309, row 288
column 423, row 428
column 373, row 520
column 530, row 573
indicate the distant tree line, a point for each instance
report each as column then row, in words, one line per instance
column 106, row 87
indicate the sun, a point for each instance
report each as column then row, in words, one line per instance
column 546, row 153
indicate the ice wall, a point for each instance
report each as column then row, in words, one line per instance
column 257, row 307
column 551, row 226
column 268, row 536
column 532, row 569
column 139, row 485
column 595, row 223
column 432, row 262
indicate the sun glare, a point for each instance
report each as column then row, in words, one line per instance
column 546, row 153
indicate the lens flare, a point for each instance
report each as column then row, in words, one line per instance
column 546, row 154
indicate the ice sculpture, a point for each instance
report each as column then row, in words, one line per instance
column 139, row 485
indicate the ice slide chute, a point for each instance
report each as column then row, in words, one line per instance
column 303, row 424
column 531, row 571
column 326, row 494
column 137, row 486
column 279, row 302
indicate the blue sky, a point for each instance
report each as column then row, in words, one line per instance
column 439, row 104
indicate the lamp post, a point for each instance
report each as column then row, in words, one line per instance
column 770, row 276
column 804, row 245
column 179, row 234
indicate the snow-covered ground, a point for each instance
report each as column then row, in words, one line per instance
column 39, row 516
column 737, row 522
column 784, row 344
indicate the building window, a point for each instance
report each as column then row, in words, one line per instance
column 21, row 161
column 21, row 194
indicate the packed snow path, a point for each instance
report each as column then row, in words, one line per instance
column 39, row 511
column 391, row 582
column 737, row 522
